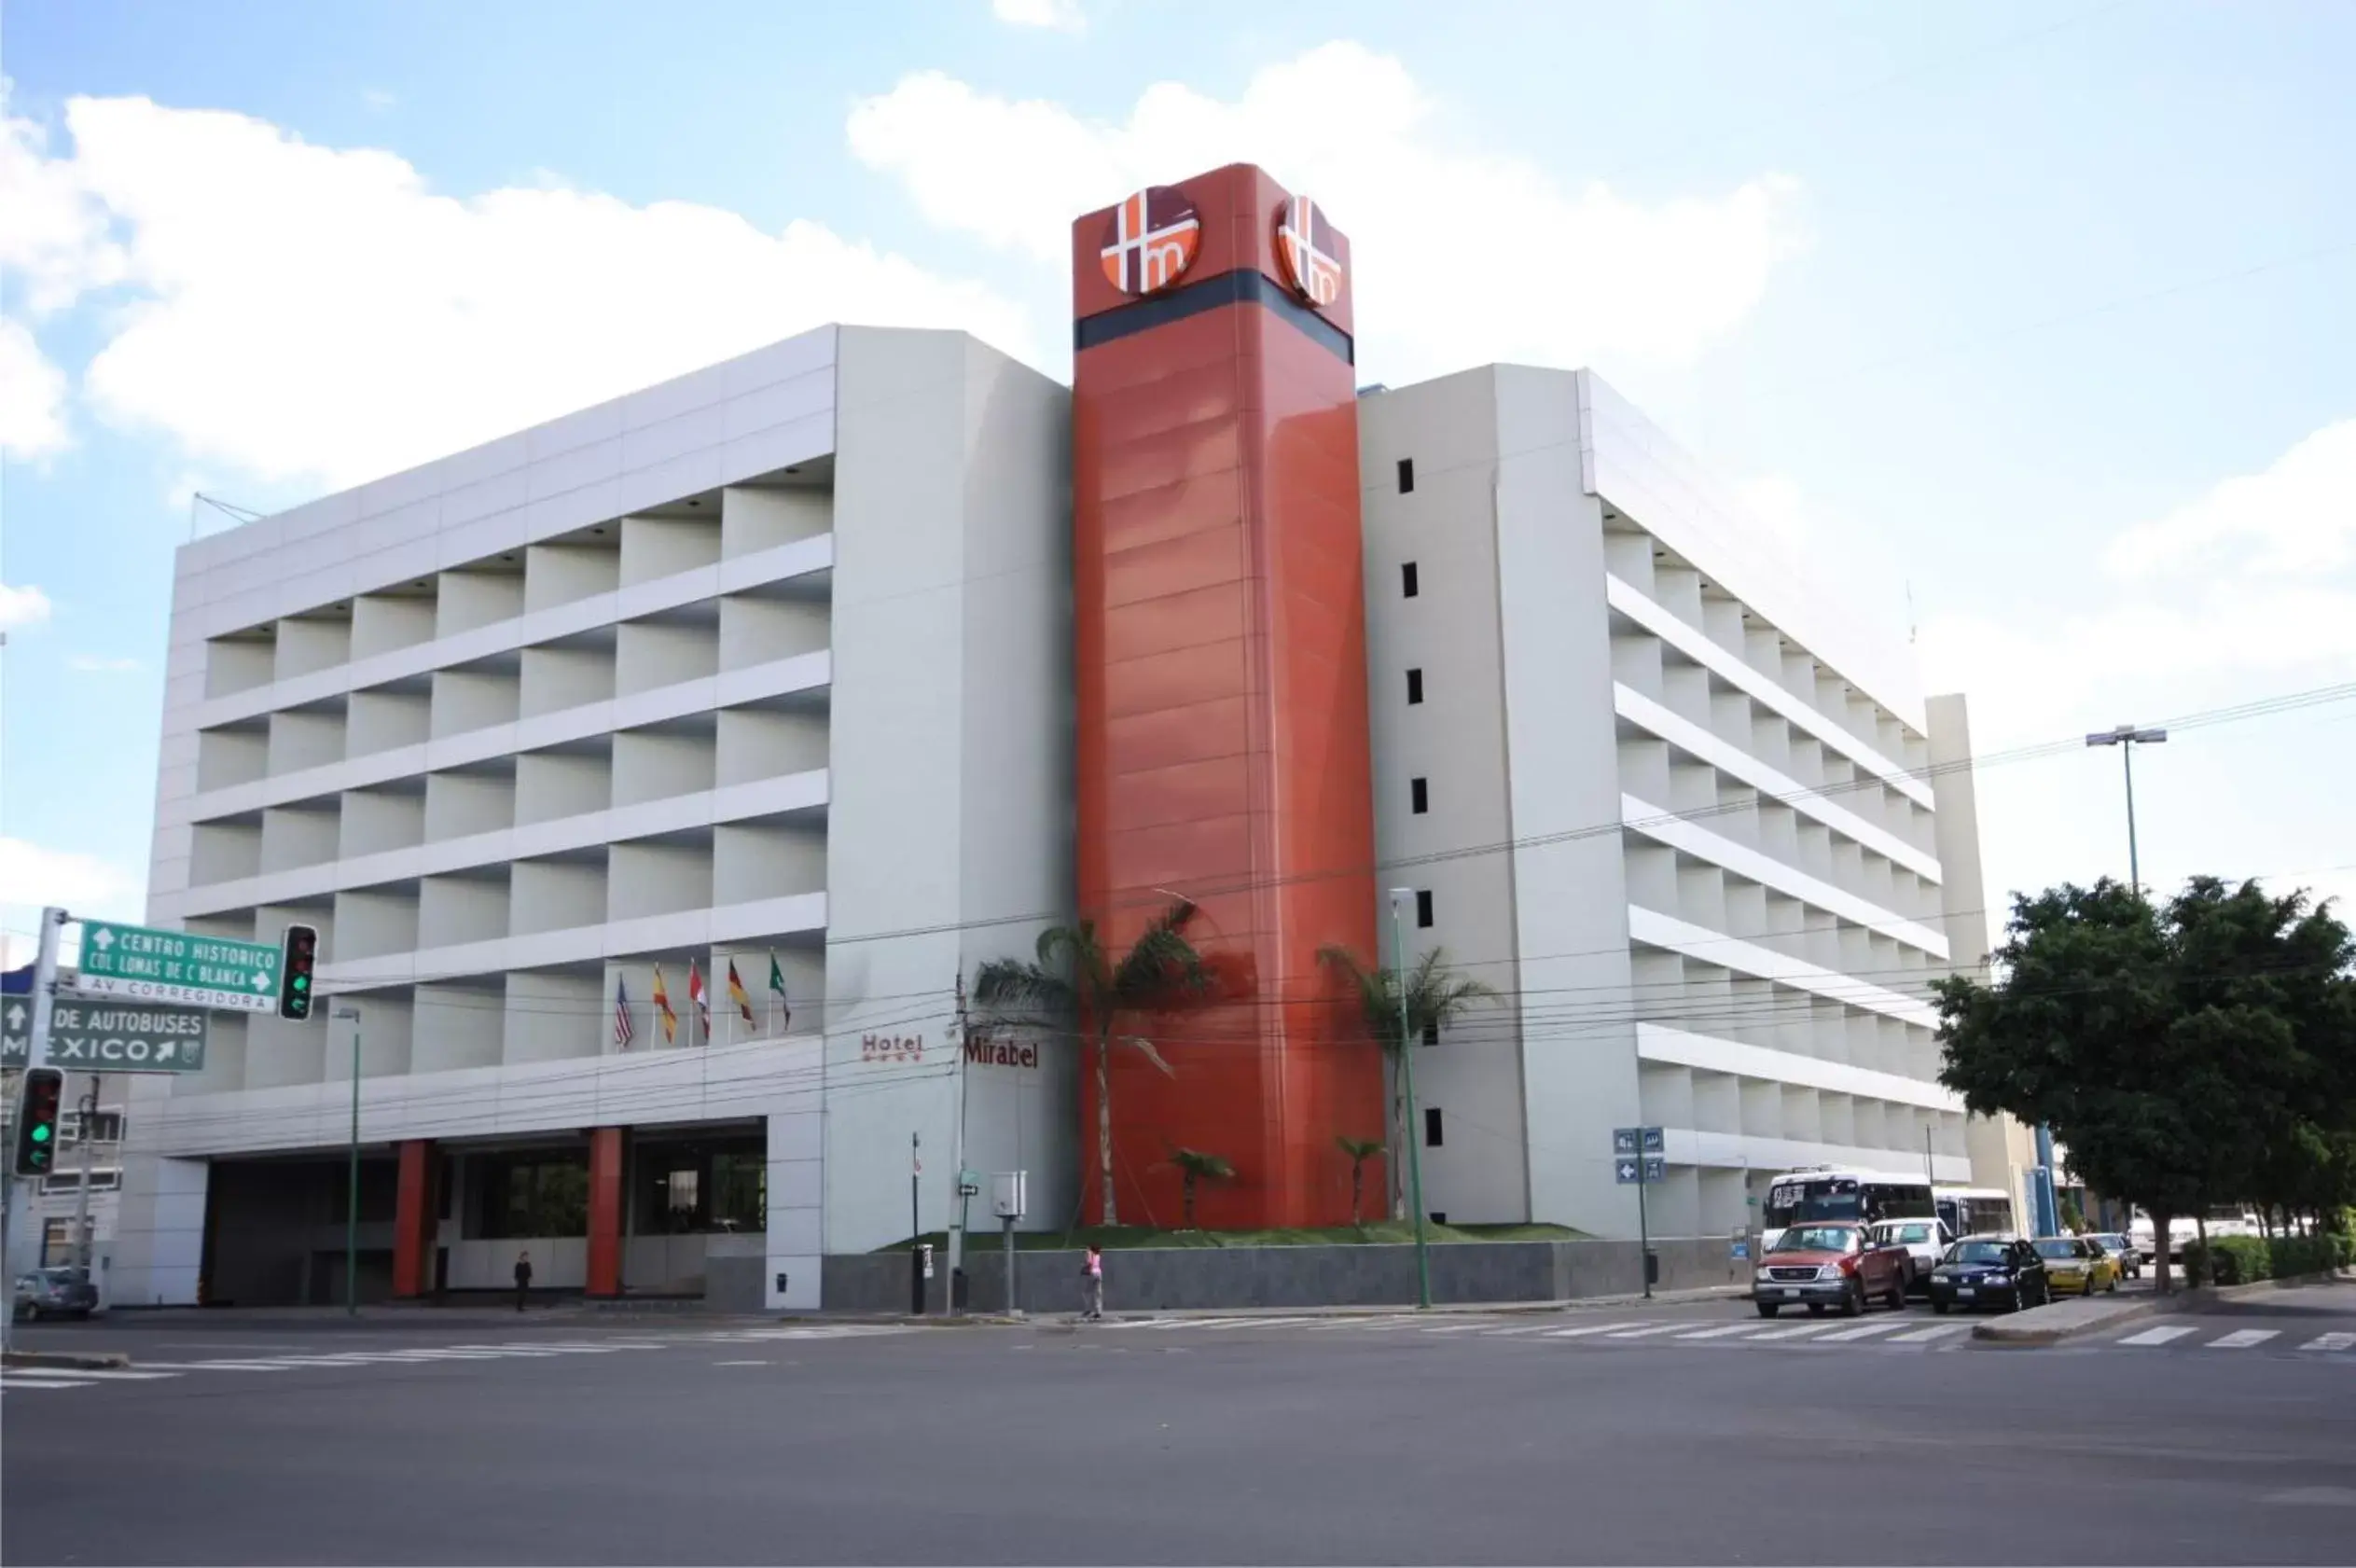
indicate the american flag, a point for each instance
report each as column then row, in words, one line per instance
column 1153, row 236
column 1304, row 239
column 624, row 1032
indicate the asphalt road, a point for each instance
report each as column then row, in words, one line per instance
column 1664, row 1435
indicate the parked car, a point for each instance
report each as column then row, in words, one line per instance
column 1923, row 1240
column 1821, row 1266
column 2123, row 1252
column 54, row 1292
column 2003, row 1271
column 2075, row 1266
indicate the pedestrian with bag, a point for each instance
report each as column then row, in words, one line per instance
column 1092, row 1285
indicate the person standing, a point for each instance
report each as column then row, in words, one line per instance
column 523, row 1278
column 1092, row 1285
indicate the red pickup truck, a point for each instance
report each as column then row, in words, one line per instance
column 1822, row 1265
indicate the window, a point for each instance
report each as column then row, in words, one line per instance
column 1406, row 580
column 529, row 1195
column 1415, row 686
column 1407, row 475
column 1439, row 1216
column 1423, row 907
column 1430, row 1033
column 71, row 1181
column 1418, row 796
column 106, row 1126
column 1431, row 1138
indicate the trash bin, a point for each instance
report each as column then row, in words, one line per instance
column 957, row 1290
column 1652, row 1268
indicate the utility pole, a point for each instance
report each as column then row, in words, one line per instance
column 1399, row 895
column 916, row 1227
column 89, row 1167
column 351, row 1204
column 957, row 1221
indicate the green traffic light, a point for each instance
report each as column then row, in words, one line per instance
column 40, row 1134
column 302, row 982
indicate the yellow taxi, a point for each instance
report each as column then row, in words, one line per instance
column 2077, row 1267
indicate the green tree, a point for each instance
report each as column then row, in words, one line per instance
column 1360, row 1150
column 2075, row 1033
column 1076, row 982
column 1436, row 998
column 1195, row 1166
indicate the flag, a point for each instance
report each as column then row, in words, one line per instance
column 662, row 1011
column 736, row 994
column 780, row 1012
column 702, row 1007
column 623, row 1032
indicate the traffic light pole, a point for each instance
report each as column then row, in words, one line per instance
column 89, row 1169
column 37, row 1055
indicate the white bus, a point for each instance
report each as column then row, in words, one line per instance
column 1828, row 1192
column 1975, row 1211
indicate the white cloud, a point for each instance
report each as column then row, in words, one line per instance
column 97, row 664
column 378, row 99
column 54, row 233
column 32, row 396
column 1062, row 15
column 316, row 312
column 2297, row 517
column 21, row 607
column 1573, row 275
column 35, row 875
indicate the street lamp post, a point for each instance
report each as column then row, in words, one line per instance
column 352, row 1200
column 2127, row 738
column 1399, row 895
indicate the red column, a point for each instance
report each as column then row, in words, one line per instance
column 416, row 1221
column 605, row 1212
column 1221, row 685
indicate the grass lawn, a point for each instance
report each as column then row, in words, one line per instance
column 1377, row 1232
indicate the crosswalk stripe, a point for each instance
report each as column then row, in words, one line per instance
column 2242, row 1339
column 1720, row 1332
column 1264, row 1322
column 1796, row 1331
column 2162, row 1334
column 2330, row 1342
column 12, row 1380
column 1501, row 1333
column 1586, row 1329
column 1642, row 1330
column 1453, row 1327
column 1864, row 1330
column 1349, row 1322
column 1936, row 1331
column 111, row 1375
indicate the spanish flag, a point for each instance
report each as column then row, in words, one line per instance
column 662, row 1011
column 736, row 994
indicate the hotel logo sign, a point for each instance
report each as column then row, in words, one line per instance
column 1309, row 252
column 1151, row 241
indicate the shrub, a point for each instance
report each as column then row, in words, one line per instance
column 2247, row 1259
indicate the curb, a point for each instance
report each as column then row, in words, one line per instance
column 66, row 1361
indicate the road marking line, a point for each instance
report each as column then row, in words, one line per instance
column 2161, row 1336
column 1534, row 1328
column 1349, row 1322
column 1796, row 1331
column 1643, row 1330
column 1453, row 1327
column 1266, row 1322
column 12, row 1380
column 2242, row 1339
column 108, row 1375
column 1865, row 1330
column 2330, row 1342
column 1584, row 1331
column 1936, row 1331
column 1720, row 1332
column 740, row 1363
column 241, row 1366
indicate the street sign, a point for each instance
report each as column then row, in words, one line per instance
column 1640, row 1171
column 151, row 965
column 1652, row 1144
column 108, row 1036
column 1637, row 1140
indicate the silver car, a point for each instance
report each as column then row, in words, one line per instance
column 55, row 1293
column 2123, row 1248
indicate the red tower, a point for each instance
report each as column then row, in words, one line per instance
column 1222, row 681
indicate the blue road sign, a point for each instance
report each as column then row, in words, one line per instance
column 1626, row 1140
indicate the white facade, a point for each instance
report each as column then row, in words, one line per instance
column 1676, row 808
column 770, row 659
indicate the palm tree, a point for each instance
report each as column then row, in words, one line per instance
column 1434, row 999
column 1360, row 1150
column 1074, row 976
column 1196, row 1166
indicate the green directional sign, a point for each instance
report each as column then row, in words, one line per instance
column 152, row 966
column 89, row 1035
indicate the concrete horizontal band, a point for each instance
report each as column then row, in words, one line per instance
column 1700, row 943
column 639, row 937
column 1741, row 1151
column 776, row 677
column 1732, row 760
column 704, row 808
column 1707, row 1053
column 778, row 564
column 1666, row 827
column 1759, row 687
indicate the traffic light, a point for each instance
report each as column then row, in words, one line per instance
column 37, row 1109
column 297, row 956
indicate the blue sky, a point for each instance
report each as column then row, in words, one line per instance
column 2046, row 312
